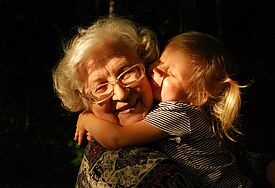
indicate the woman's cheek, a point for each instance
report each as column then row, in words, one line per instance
column 147, row 93
column 104, row 112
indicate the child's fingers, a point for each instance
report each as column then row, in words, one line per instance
column 76, row 134
column 89, row 136
column 81, row 134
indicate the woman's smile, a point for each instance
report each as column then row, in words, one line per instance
column 126, row 107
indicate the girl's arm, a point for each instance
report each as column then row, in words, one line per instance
column 114, row 136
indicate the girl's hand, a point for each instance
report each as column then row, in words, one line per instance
column 80, row 131
column 89, row 136
column 79, row 135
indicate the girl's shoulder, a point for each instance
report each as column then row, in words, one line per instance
column 174, row 105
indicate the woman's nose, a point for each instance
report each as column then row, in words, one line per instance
column 120, row 92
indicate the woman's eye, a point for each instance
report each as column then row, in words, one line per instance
column 101, row 88
column 129, row 77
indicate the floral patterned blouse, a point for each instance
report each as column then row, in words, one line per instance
column 129, row 167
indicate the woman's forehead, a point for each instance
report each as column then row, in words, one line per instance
column 111, row 48
column 107, row 59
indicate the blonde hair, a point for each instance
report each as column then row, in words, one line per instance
column 66, row 77
column 211, row 83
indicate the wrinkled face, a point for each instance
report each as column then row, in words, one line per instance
column 170, row 76
column 127, row 104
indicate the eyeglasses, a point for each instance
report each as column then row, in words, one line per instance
column 101, row 92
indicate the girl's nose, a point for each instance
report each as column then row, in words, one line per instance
column 120, row 92
column 158, row 67
column 157, row 75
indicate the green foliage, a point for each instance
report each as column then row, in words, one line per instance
column 78, row 151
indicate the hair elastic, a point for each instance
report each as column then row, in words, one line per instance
column 228, row 81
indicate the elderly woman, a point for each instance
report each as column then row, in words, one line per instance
column 103, row 72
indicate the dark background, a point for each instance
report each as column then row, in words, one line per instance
column 36, row 132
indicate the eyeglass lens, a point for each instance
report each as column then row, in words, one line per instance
column 103, row 91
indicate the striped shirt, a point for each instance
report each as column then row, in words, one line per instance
column 194, row 146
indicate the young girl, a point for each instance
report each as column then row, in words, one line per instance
column 198, row 106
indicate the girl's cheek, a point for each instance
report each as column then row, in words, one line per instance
column 166, row 91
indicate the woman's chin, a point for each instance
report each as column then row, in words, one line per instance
column 131, row 115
